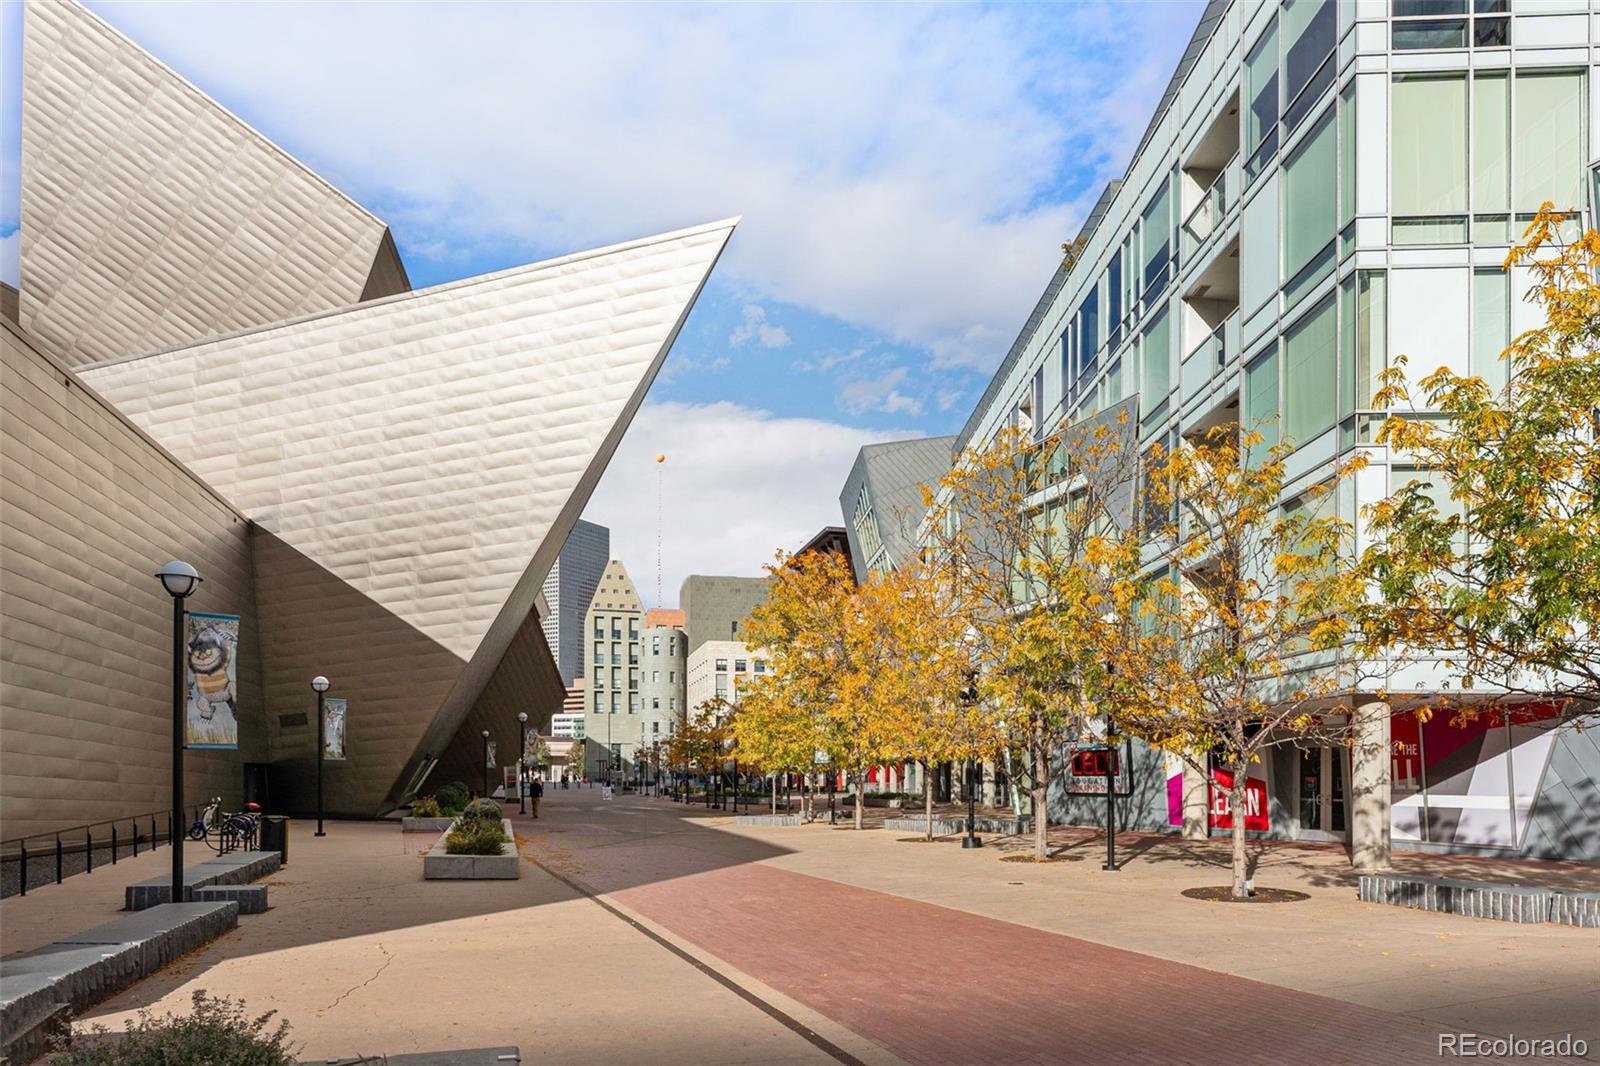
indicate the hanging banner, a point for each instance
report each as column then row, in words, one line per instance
column 489, row 760
column 333, row 723
column 1255, row 801
column 211, row 646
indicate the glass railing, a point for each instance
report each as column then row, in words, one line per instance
column 1208, row 214
column 1220, row 347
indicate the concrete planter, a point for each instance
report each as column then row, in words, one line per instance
column 766, row 819
column 425, row 825
column 954, row 826
column 506, row 866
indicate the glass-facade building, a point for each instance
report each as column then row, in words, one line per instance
column 1326, row 185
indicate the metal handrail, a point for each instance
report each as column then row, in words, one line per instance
column 87, row 846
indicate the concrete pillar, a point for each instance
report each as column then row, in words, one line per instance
column 987, row 798
column 1369, row 787
column 1196, row 804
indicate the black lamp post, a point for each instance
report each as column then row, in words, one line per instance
column 180, row 580
column 522, row 786
column 734, row 778
column 485, row 764
column 971, row 839
column 319, row 685
column 1111, row 800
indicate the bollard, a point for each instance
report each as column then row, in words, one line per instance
column 24, row 867
column 58, row 858
column 135, row 824
column 113, row 843
column 88, row 852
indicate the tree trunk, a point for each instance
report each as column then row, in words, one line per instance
column 1236, row 809
column 861, row 798
column 927, row 797
column 1041, row 793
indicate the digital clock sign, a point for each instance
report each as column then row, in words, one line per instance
column 1094, row 762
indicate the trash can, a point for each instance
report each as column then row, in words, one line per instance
column 275, row 835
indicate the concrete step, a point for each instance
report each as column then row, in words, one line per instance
column 252, row 899
column 81, row 969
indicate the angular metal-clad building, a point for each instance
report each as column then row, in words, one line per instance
column 399, row 469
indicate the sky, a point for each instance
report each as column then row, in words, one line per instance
column 905, row 174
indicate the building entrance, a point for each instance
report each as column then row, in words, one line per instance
column 1323, row 800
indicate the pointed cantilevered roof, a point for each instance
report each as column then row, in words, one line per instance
column 152, row 216
column 428, row 452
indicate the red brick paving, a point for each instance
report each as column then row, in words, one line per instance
column 941, row 986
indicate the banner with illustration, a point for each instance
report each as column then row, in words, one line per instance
column 211, row 652
column 489, row 750
column 333, row 725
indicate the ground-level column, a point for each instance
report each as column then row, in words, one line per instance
column 1196, row 804
column 1369, row 787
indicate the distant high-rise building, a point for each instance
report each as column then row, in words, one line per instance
column 568, row 589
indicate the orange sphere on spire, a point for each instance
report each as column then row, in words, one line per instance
column 661, row 457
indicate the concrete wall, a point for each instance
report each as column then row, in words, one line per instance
column 89, row 509
column 715, row 608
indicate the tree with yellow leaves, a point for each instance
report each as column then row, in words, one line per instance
column 1241, row 641
column 1490, row 563
column 1038, row 535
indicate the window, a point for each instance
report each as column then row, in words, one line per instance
column 599, row 702
column 1089, row 331
column 633, row 678
column 1261, row 396
column 1310, row 209
column 1491, row 155
column 1549, row 153
column 633, row 653
column 1420, row 24
column 722, row 685
column 599, row 631
column 633, row 629
column 1261, row 87
column 616, row 653
column 1155, row 230
column 1309, row 383
column 1309, row 32
column 1361, row 345
column 1491, row 325
column 655, row 645
column 761, row 666
column 655, row 727
column 672, row 645
column 599, row 652
column 616, row 677
column 722, row 665
column 739, row 666
column 616, row 702
column 655, row 676
column 672, row 677
column 633, row 703
column 1428, row 145
column 1156, row 357
column 1114, row 301
column 672, row 703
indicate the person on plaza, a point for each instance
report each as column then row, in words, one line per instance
column 535, row 793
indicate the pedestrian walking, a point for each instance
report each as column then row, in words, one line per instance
column 535, row 794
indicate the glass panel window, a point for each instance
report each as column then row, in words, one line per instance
column 1347, row 156
column 1261, row 90
column 1550, row 153
column 1372, row 354
column 1310, row 207
column 740, row 666
column 1114, row 302
column 1309, row 374
column 1429, row 145
column 1156, row 355
column 1491, row 142
column 1309, row 31
column 1491, row 325
column 722, row 664
column 1089, row 330
column 1430, row 33
column 1407, row 8
column 1491, row 33
column 1261, row 395
column 1156, row 233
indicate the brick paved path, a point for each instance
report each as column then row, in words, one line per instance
column 936, row 985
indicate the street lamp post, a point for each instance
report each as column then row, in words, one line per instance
column 319, row 685
column 522, row 786
column 1111, row 800
column 485, row 764
column 734, row 777
column 971, row 839
column 179, row 579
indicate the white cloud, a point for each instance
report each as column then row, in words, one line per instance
column 738, row 484
column 896, row 166
column 756, row 327
column 881, row 393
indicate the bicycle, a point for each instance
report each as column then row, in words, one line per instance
column 231, row 831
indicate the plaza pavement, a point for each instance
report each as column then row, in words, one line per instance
column 715, row 943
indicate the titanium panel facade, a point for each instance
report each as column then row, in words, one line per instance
column 882, row 498
column 152, row 217
column 422, row 457
column 90, row 508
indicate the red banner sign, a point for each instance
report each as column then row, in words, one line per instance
column 1255, row 802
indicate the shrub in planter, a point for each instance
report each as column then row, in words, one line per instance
column 475, row 838
column 425, row 807
column 452, row 797
column 219, row 1031
column 482, row 810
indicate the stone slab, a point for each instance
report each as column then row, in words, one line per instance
column 1580, row 909
column 954, row 826
column 766, row 819
column 85, row 967
column 506, row 866
column 252, row 899
column 1474, row 899
column 237, row 868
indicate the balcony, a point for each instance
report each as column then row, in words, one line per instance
column 1212, row 181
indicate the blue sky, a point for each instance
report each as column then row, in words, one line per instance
column 906, row 175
